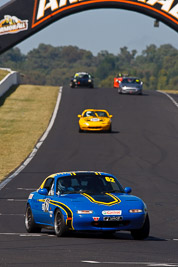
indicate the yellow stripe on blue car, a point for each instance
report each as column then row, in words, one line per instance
column 112, row 200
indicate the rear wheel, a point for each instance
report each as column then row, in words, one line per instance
column 59, row 223
column 30, row 224
column 142, row 233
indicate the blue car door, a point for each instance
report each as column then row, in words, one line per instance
column 41, row 207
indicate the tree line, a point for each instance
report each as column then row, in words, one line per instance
column 156, row 66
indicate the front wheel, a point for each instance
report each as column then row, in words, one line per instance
column 59, row 223
column 142, row 233
column 72, row 85
column 110, row 129
column 80, row 131
column 30, row 224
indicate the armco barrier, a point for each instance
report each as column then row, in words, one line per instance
column 10, row 79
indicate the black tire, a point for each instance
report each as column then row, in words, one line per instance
column 59, row 223
column 80, row 131
column 110, row 129
column 72, row 85
column 108, row 234
column 143, row 232
column 30, row 224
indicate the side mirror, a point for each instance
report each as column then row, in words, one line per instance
column 128, row 190
column 110, row 116
column 79, row 116
column 43, row 191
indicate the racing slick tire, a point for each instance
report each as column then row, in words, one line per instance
column 142, row 233
column 59, row 223
column 30, row 224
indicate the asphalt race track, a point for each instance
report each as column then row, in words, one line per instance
column 142, row 151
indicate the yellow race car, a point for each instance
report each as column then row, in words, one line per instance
column 95, row 120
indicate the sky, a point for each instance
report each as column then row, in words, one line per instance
column 103, row 29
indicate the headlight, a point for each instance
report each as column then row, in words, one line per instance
column 75, row 80
column 89, row 81
column 84, row 211
column 135, row 211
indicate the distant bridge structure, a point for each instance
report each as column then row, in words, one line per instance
column 20, row 19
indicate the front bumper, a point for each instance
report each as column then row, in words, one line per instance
column 88, row 223
column 93, row 127
column 131, row 91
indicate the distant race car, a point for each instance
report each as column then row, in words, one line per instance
column 86, row 201
column 130, row 85
column 117, row 81
column 82, row 79
column 95, row 120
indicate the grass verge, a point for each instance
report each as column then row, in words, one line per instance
column 170, row 91
column 3, row 73
column 25, row 112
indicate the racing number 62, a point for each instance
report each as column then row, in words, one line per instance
column 110, row 179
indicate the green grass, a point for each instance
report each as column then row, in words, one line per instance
column 170, row 91
column 3, row 73
column 25, row 112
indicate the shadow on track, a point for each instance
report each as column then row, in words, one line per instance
column 100, row 235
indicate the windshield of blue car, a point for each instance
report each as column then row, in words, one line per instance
column 88, row 183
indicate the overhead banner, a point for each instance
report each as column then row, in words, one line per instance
column 20, row 19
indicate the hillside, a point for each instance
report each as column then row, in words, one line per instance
column 48, row 65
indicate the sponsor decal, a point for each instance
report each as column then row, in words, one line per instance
column 45, row 9
column 112, row 212
column 30, row 196
column 45, row 205
column 96, row 219
column 113, row 218
column 12, row 24
column 51, row 213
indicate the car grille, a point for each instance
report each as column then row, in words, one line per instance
column 94, row 127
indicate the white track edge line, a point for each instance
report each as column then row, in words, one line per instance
column 39, row 143
column 172, row 99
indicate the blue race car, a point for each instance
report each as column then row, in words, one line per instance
column 86, row 201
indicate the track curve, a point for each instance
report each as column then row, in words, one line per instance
column 142, row 151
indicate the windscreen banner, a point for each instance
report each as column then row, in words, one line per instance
column 20, row 19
